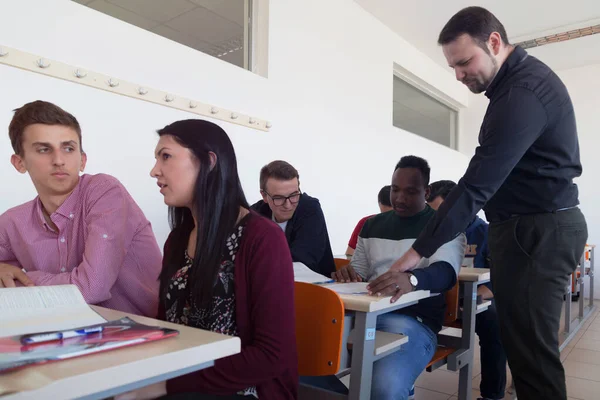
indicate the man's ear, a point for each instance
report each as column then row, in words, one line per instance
column 83, row 162
column 264, row 195
column 17, row 162
column 427, row 193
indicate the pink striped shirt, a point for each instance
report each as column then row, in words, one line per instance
column 104, row 245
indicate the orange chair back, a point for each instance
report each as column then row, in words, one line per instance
column 319, row 329
column 451, row 306
column 340, row 263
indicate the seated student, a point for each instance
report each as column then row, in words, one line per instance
column 383, row 200
column 225, row 269
column 383, row 239
column 83, row 230
column 493, row 358
column 299, row 216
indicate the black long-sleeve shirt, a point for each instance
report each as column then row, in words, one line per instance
column 527, row 157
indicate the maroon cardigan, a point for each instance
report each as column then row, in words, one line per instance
column 265, row 316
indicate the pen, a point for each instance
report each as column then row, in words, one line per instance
column 60, row 335
column 324, row 282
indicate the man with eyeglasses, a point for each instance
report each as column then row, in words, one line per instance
column 299, row 216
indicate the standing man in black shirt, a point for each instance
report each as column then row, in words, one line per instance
column 522, row 176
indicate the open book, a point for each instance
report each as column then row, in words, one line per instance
column 26, row 310
column 51, row 323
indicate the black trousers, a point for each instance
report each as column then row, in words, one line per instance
column 531, row 259
column 493, row 358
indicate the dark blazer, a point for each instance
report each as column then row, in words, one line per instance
column 306, row 234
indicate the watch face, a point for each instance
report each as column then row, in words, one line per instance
column 413, row 280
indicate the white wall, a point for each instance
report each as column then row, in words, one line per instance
column 584, row 87
column 328, row 94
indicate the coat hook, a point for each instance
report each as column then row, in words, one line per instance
column 214, row 110
column 43, row 63
column 234, row 116
column 79, row 73
column 193, row 104
column 169, row 98
column 268, row 125
column 142, row 91
column 3, row 52
column 112, row 83
column 252, row 121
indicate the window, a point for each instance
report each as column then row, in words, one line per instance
column 417, row 112
column 220, row 28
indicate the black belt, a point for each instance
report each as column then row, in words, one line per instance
column 501, row 217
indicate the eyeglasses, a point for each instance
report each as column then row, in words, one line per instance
column 294, row 198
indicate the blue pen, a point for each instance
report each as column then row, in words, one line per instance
column 324, row 282
column 51, row 336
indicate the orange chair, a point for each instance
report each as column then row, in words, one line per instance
column 319, row 329
column 450, row 319
column 340, row 263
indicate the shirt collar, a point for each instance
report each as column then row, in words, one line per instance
column 66, row 209
column 514, row 59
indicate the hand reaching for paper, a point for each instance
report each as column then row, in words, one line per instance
column 392, row 283
column 346, row 274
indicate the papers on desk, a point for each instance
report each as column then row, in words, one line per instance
column 348, row 288
column 304, row 274
column 34, row 309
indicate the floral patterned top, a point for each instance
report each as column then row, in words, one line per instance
column 219, row 316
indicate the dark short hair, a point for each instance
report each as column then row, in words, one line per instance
column 280, row 170
column 384, row 196
column 418, row 163
column 39, row 112
column 440, row 188
column 477, row 22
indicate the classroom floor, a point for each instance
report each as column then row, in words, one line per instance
column 581, row 359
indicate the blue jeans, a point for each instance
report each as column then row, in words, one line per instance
column 394, row 375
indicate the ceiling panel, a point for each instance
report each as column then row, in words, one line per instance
column 122, row 14
column 156, row 10
column 233, row 10
column 206, row 25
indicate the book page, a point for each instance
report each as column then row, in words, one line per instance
column 26, row 310
column 304, row 274
column 349, row 288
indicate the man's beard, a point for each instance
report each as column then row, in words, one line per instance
column 480, row 87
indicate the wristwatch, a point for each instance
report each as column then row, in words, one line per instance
column 413, row 281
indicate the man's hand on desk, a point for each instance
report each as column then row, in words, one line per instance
column 146, row 393
column 10, row 275
column 408, row 261
column 392, row 283
column 346, row 274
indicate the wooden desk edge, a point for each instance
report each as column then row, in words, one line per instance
column 130, row 371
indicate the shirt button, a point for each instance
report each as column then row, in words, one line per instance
column 63, row 269
column 62, row 240
column 71, row 216
column 104, row 236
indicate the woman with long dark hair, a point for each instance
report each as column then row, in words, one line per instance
column 225, row 269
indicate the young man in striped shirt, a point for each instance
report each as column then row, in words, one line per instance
column 383, row 239
column 84, row 230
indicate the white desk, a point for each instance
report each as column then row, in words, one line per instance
column 366, row 309
column 106, row 374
